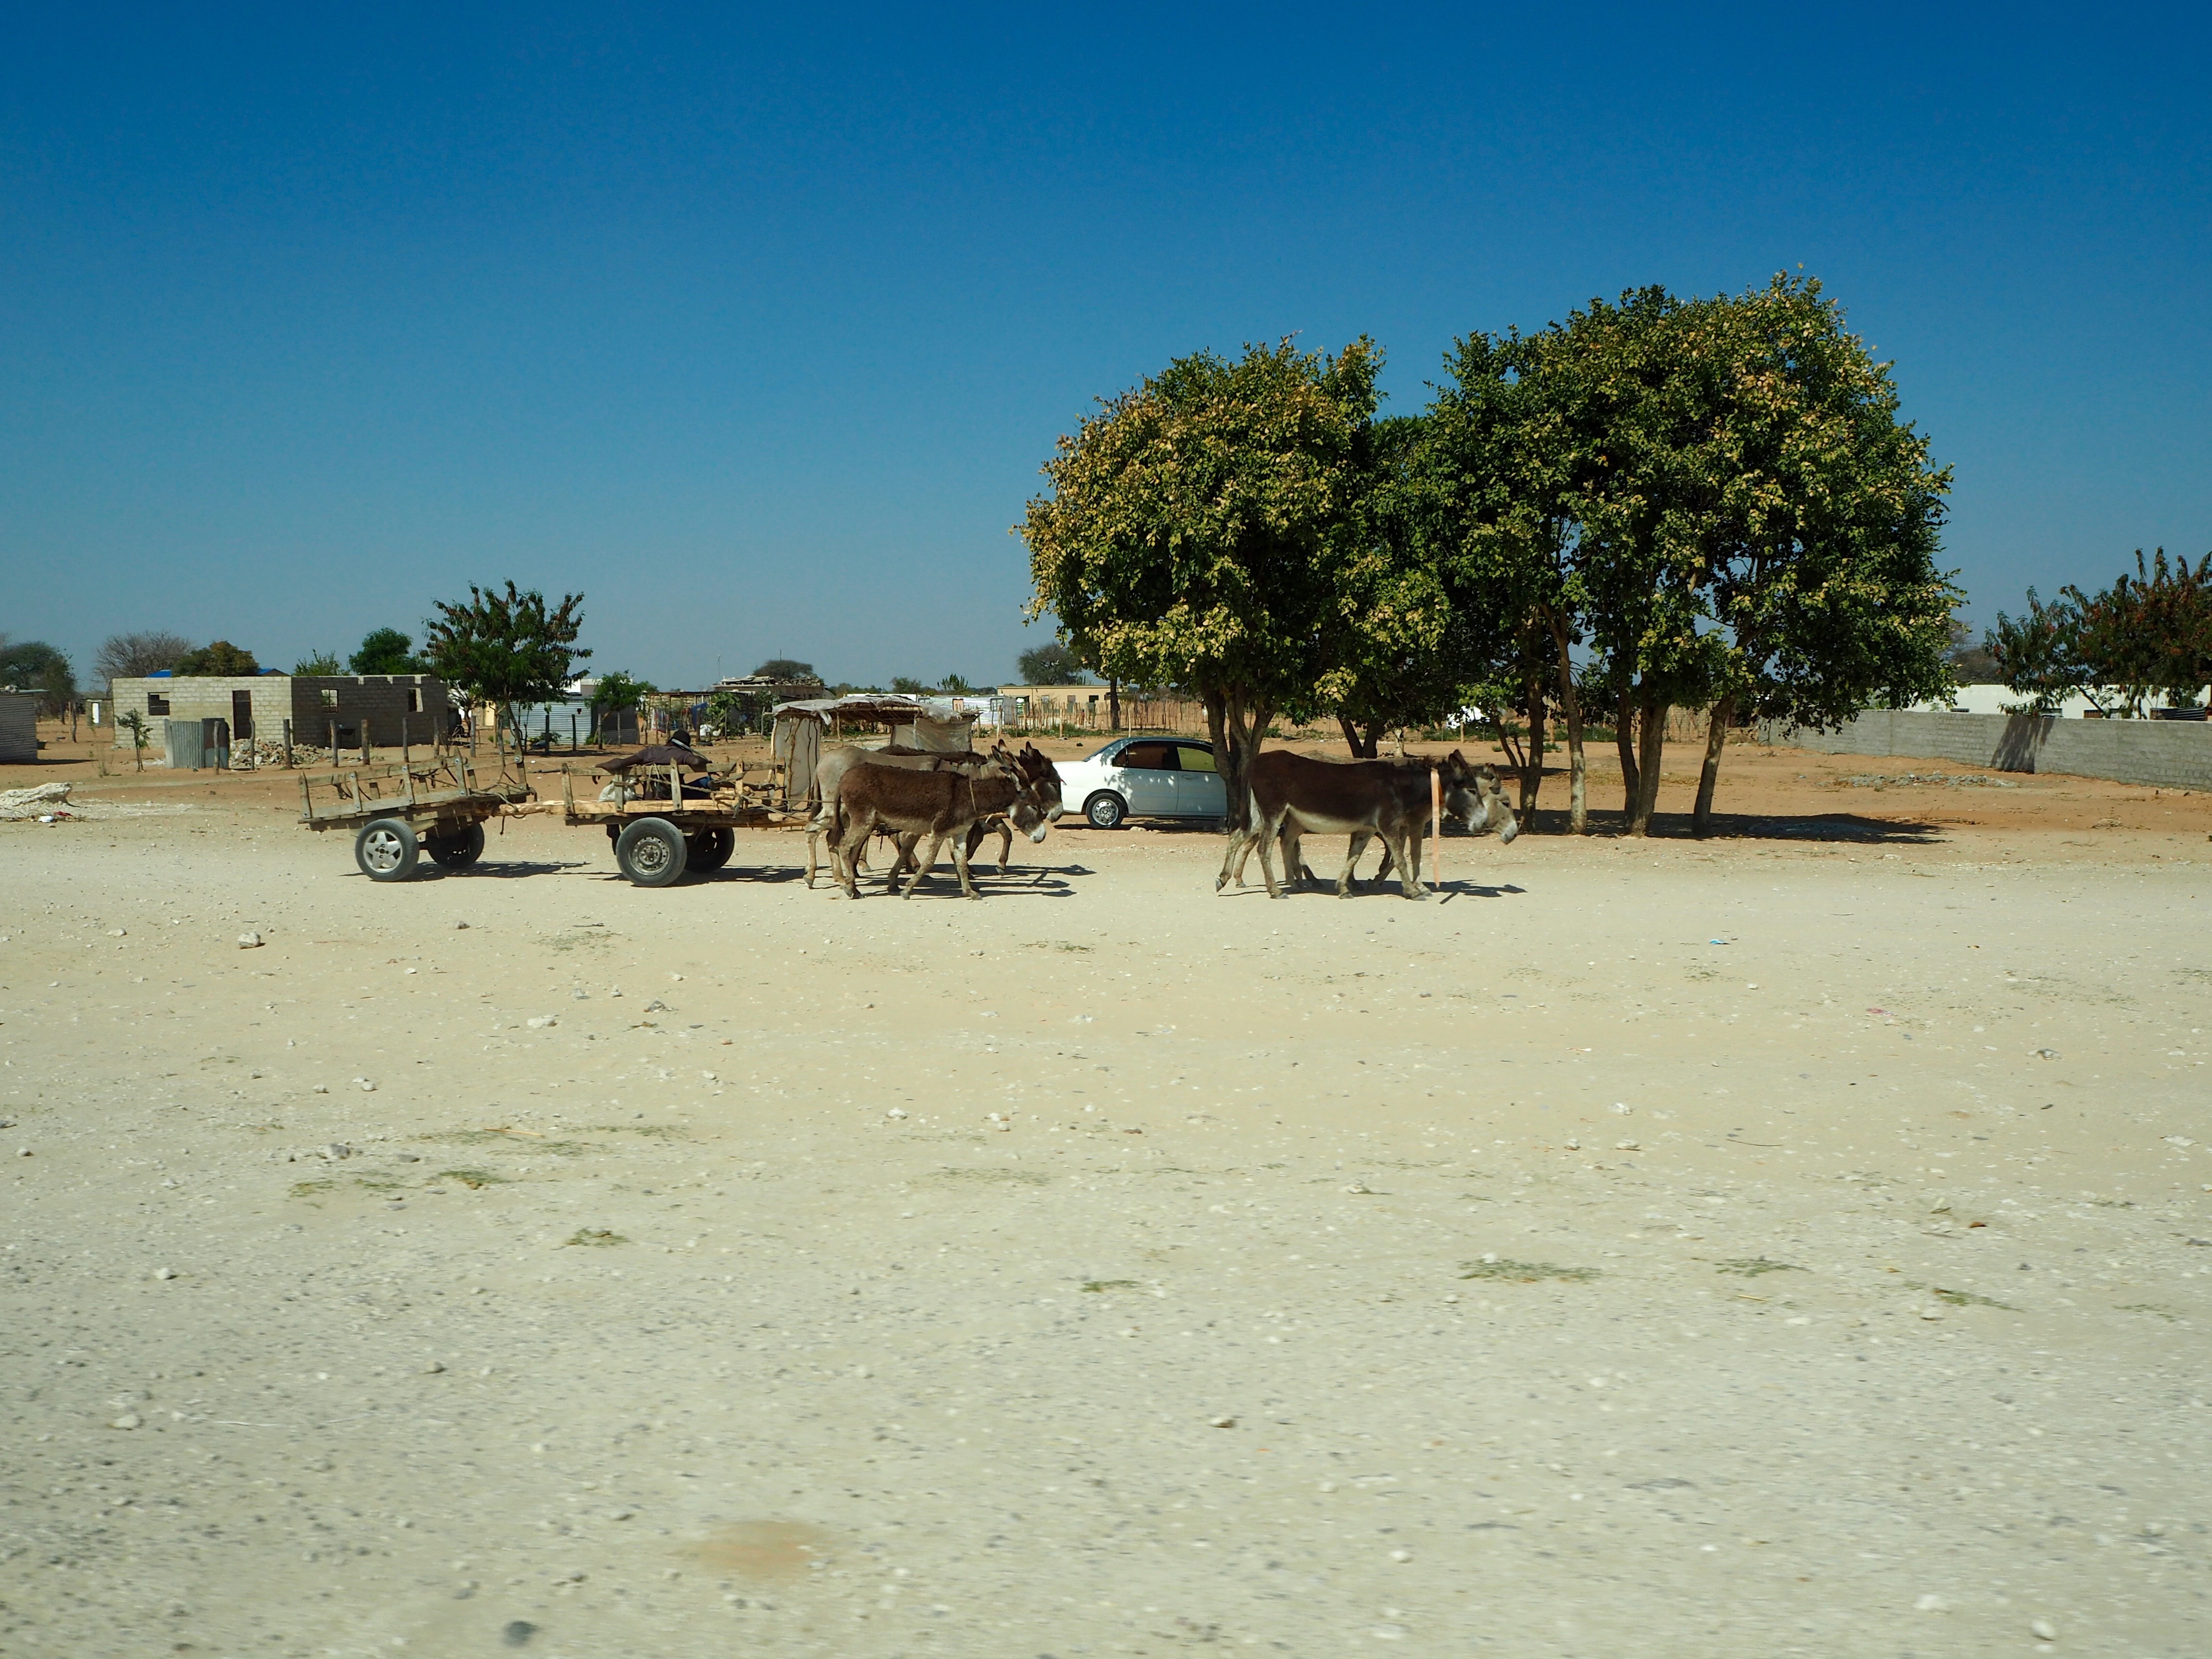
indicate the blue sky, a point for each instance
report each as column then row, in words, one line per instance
column 756, row 329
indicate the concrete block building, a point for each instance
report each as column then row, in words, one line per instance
column 19, row 725
column 381, row 709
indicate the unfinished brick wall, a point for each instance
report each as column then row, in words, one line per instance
column 312, row 703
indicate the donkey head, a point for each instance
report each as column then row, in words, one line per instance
column 1472, row 794
column 1037, row 768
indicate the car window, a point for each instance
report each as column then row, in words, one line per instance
column 1149, row 756
column 1193, row 758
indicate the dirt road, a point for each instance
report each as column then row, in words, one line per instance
column 1792, row 1244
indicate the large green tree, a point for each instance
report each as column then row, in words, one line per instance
column 1198, row 528
column 1050, row 664
column 387, row 651
column 2147, row 633
column 1820, row 564
column 509, row 648
column 220, row 660
column 34, row 665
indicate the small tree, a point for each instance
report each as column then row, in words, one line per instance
column 129, row 656
column 2038, row 655
column 387, row 651
column 1053, row 663
column 2149, row 632
column 616, row 692
column 1198, row 528
column 320, row 662
column 135, row 723
column 1971, row 661
column 907, row 685
column 509, row 648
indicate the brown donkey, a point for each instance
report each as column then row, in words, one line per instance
column 1294, row 794
column 940, row 805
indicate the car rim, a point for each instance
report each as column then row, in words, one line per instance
column 382, row 850
column 650, row 854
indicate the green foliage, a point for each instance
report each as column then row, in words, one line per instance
column 1051, row 664
column 320, row 662
column 221, row 659
column 34, row 665
column 135, row 723
column 1972, row 663
column 2039, row 654
column 957, row 684
column 2149, row 632
column 616, row 691
column 510, row 649
column 907, row 685
column 786, row 669
column 1199, row 528
column 387, row 651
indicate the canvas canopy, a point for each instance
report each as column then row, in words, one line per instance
column 934, row 724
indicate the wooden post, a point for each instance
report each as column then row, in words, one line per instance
column 288, row 746
column 403, row 743
column 334, row 743
column 1436, row 830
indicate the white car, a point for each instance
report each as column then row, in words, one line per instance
column 1144, row 778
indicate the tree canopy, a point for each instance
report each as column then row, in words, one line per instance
column 510, row 647
column 34, row 665
column 1199, row 529
column 320, row 662
column 387, row 651
column 219, row 659
column 1053, row 663
column 787, row 669
column 128, row 656
column 2147, row 632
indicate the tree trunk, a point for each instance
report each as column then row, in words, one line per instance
column 1623, row 739
column 1701, row 818
column 1532, row 765
column 1236, row 730
column 1114, row 699
column 1363, row 746
column 1577, row 761
column 1651, row 743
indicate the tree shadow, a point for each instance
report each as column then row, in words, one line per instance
column 1841, row 827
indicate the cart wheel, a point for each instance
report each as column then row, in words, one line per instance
column 710, row 849
column 456, row 849
column 651, row 851
column 387, row 849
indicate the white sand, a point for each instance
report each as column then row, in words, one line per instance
column 859, row 1384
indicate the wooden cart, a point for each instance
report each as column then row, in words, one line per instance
column 664, row 824
column 399, row 812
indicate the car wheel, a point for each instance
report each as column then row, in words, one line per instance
column 651, row 851
column 1105, row 810
column 457, row 849
column 710, row 849
column 387, row 849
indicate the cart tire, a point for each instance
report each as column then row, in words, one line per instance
column 1105, row 810
column 710, row 849
column 387, row 849
column 652, row 853
column 456, row 849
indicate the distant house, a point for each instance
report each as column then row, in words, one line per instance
column 313, row 710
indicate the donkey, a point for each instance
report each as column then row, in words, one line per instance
column 940, row 805
column 1292, row 794
column 841, row 758
column 1030, row 762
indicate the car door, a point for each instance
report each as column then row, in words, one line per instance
column 1143, row 779
column 1199, row 791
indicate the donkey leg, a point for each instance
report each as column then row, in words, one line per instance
column 1408, row 854
column 1006, row 843
column 1343, row 882
column 960, row 851
column 1265, row 834
column 1232, row 859
column 923, row 865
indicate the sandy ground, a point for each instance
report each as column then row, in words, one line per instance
column 1793, row 1243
